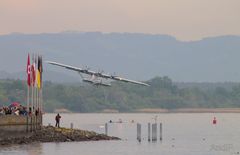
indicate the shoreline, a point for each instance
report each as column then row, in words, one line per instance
column 190, row 110
column 52, row 134
column 159, row 110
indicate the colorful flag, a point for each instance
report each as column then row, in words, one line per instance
column 41, row 70
column 28, row 71
column 33, row 68
column 38, row 73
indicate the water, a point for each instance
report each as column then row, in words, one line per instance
column 183, row 134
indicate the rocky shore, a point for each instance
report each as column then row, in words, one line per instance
column 52, row 134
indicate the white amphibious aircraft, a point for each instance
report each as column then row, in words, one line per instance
column 96, row 77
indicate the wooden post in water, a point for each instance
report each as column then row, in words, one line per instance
column 41, row 121
column 160, row 130
column 71, row 125
column 149, row 132
column 106, row 128
column 139, row 132
column 154, row 132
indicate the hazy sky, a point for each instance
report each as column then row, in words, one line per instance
column 184, row 19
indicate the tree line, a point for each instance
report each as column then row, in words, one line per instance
column 162, row 93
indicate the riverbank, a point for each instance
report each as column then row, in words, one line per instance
column 52, row 134
column 161, row 110
column 189, row 110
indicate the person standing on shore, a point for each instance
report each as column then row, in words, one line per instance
column 57, row 118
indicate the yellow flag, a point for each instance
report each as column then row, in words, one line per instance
column 38, row 80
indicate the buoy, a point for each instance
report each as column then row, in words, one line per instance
column 214, row 121
column 101, row 126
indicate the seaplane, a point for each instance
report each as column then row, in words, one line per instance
column 96, row 78
column 95, row 81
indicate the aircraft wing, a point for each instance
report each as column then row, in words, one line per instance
column 77, row 69
column 117, row 78
column 102, row 75
column 128, row 80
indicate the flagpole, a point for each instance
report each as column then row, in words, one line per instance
column 32, row 96
column 41, row 104
column 35, row 85
column 37, row 89
column 37, row 98
column 28, row 80
column 41, row 99
column 28, row 94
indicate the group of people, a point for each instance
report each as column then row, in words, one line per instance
column 21, row 110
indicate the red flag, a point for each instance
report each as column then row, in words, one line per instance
column 28, row 71
column 33, row 72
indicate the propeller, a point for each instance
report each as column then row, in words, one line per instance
column 113, row 75
column 86, row 68
column 99, row 72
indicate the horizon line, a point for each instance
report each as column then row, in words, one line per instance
column 109, row 33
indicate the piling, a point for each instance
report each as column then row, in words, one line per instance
column 139, row 132
column 106, row 128
column 154, row 132
column 71, row 125
column 149, row 132
column 160, row 130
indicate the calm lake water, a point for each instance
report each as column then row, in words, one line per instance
column 183, row 134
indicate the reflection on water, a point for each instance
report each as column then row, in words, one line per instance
column 183, row 134
column 32, row 149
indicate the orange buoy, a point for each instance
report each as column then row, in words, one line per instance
column 214, row 121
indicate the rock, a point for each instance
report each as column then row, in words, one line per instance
column 52, row 134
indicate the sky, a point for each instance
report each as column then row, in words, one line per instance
column 184, row 19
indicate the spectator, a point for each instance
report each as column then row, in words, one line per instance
column 57, row 118
column 2, row 111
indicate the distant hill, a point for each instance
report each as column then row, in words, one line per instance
column 136, row 56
